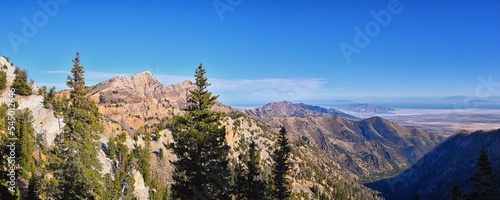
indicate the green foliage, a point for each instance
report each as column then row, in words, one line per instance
column 159, row 189
column 59, row 104
column 42, row 90
column 26, row 134
column 281, row 186
column 160, row 153
column 3, row 118
column 34, row 190
column 3, row 80
column 5, row 67
column 201, row 170
column 144, row 156
column 120, row 186
column 200, row 98
column 21, row 84
column 76, row 166
column 483, row 177
column 248, row 184
column 49, row 98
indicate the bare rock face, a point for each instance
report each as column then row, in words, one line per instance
column 140, row 189
column 46, row 125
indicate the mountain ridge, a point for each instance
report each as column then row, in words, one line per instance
column 289, row 109
column 371, row 148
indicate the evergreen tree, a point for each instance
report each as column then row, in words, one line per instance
column 21, row 85
column 120, row 185
column 483, row 177
column 248, row 184
column 34, row 188
column 201, row 171
column 5, row 193
column 26, row 134
column 255, row 184
column 200, row 99
column 456, row 194
column 49, row 98
column 240, row 186
column 145, row 158
column 3, row 80
column 281, row 186
column 75, row 165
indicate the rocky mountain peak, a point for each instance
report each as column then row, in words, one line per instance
column 140, row 79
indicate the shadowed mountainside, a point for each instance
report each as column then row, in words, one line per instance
column 431, row 177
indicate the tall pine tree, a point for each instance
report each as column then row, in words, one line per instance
column 281, row 186
column 201, row 170
column 26, row 133
column 255, row 184
column 249, row 183
column 483, row 177
column 76, row 165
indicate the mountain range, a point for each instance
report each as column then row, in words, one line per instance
column 333, row 151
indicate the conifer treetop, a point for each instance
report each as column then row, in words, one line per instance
column 77, row 81
column 200, row 98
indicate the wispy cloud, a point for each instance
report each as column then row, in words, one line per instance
column 88, row 74
column 172, row 79
column 58, row 72
column 271, row 89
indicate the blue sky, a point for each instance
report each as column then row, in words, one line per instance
column 261, row 51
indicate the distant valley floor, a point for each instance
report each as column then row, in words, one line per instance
column 446, row 121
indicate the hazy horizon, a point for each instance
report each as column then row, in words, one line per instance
column 257, row 52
